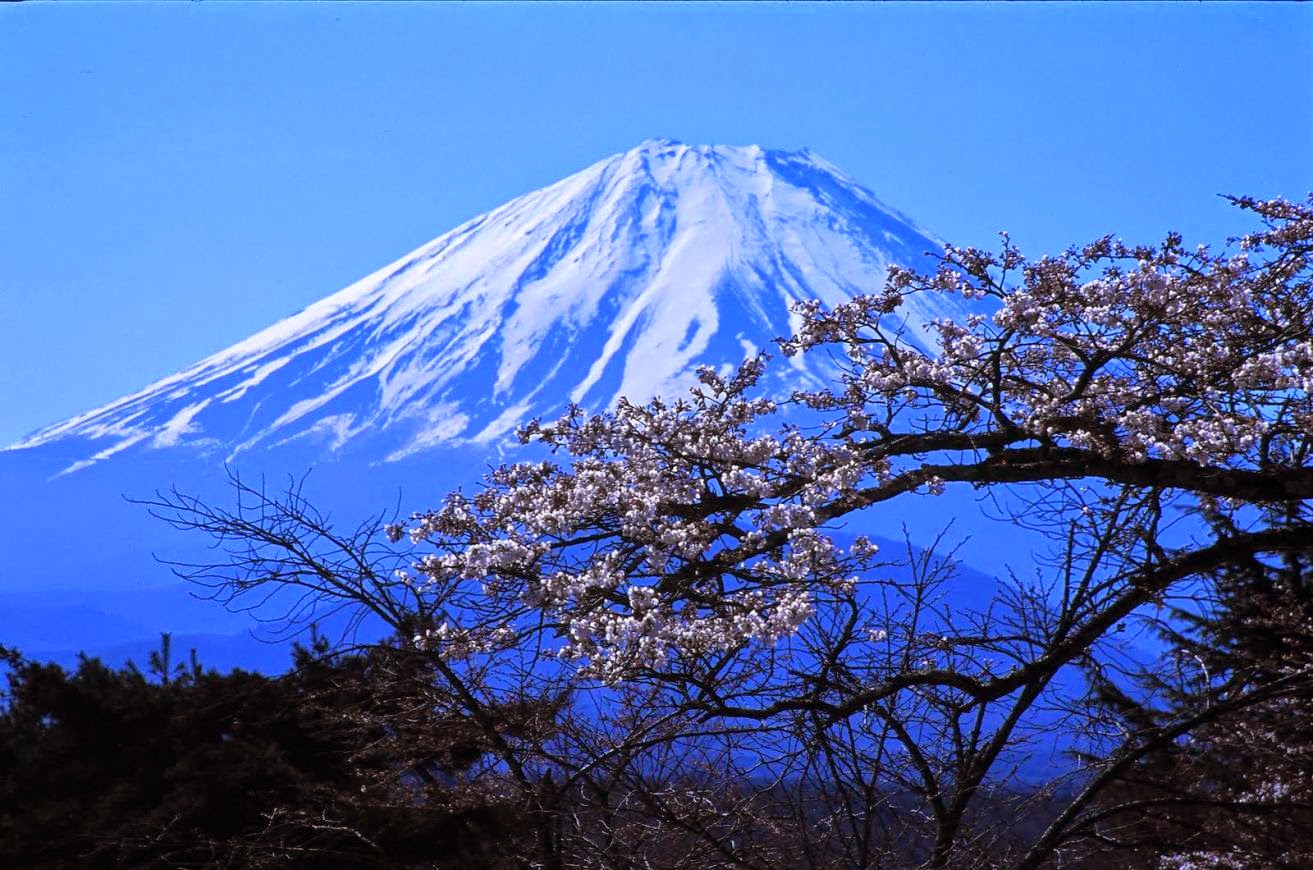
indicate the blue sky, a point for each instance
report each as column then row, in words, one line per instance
column 175, row 176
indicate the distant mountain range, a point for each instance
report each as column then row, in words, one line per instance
column 616, row 281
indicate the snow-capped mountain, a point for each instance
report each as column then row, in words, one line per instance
column 618, row 280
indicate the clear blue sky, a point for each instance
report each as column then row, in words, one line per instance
column 175, row 176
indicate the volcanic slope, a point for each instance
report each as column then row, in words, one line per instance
column 616, row 281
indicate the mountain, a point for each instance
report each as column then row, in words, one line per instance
column 616, row 281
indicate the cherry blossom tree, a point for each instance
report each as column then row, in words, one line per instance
column 1144, row 409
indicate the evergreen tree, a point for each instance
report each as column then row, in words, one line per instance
column 1238, row 792
column 347, row 761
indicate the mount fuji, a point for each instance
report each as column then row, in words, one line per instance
column 617, row 281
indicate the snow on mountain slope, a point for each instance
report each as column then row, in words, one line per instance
column 618, row 280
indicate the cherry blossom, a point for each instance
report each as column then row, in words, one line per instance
column 700, row 525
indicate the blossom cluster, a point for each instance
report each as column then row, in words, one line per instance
column 1132, row 353
column 677, row 529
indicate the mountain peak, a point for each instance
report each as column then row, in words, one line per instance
column 618, row 280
